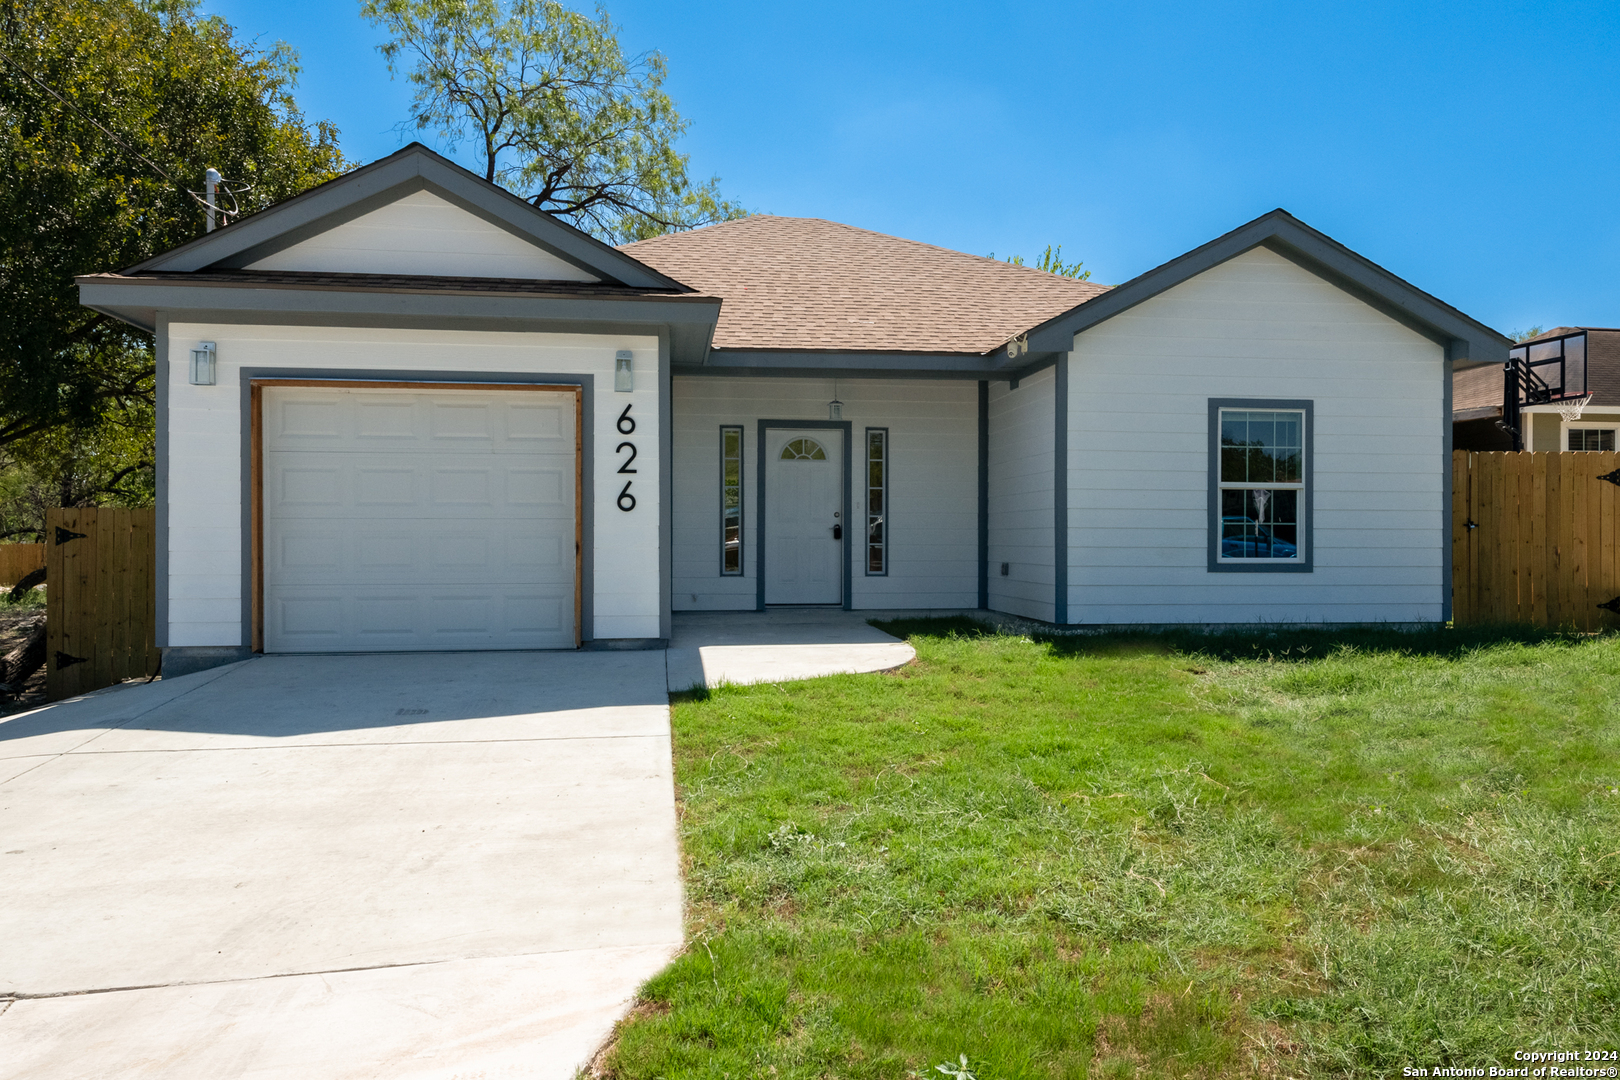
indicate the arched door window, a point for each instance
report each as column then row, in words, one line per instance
column 803, row 450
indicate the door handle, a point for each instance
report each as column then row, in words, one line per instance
column 838, row 532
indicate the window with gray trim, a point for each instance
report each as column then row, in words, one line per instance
column 731, row 481
column 1261, row 485
column 877, row 501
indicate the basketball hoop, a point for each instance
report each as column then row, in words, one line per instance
column 1571, row 409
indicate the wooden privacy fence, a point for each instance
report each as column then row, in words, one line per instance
column 17, row 561
column 1533, row 539
column 100, row 598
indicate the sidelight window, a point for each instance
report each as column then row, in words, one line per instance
column 731, row 464
column 877, row 501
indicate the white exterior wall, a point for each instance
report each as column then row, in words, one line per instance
column 1257, row 326
column 933, row 485
column 205, row 473
column 1022, row 430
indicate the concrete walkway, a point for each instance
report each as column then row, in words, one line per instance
column 311, row 868
column 710, row 648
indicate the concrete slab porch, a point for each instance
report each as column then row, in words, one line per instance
column 711, row 648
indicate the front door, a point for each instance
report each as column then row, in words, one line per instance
column 804, row 526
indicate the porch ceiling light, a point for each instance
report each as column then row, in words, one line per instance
column 835, row 409
column 202, row 364
column 624, row 375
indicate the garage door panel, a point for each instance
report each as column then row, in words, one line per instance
column 419, row 617
column 445, row 422
column 418, row 520
column 361, row 487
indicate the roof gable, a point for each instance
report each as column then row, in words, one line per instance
column 306, row 231
column 422, row 234
column 1468, row 342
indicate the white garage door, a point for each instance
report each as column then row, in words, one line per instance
column 417, row 519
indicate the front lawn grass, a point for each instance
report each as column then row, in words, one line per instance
column 1296, row 854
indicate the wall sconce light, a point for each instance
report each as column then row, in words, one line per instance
column 202, row 364
column 624, row 376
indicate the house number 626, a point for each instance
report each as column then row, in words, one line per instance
column 627, row 426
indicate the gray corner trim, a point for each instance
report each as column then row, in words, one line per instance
column 1316, row 252
column 410, row 169
column 666, row 487
column 742, row 502
column 1446, row 523
column 161, row 540
column 865, row 474
column 1307, row 523
column 1060, row 492
column 761, row 426
column 984, row 495
column 586, row 383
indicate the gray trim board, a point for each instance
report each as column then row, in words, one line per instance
column 587, row 599
column 409, row 169
column 161, row 494
column 1060, row 492
column 666, row 488
column 1307, row 522
column 1445, row 497
column 761, row 426
column 984, row 495
column 1467, row 340
column 139, row 301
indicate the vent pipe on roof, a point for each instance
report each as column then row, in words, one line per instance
column 210, row 194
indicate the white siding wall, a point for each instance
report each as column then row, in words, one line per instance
column 1257, row 326
column 1021, row 478
column 205, row 455
column 422, row 234
column 933, row 484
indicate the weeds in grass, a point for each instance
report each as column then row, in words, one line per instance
column 1182, row 855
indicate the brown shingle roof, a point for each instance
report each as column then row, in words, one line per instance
column 805, row 283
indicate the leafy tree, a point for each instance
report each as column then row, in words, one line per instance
column 1052, row 262
column 109, row 464
column 110, row 110
column 1526, row 335
column 554, row 109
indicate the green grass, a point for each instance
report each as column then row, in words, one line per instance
column 1303, row 854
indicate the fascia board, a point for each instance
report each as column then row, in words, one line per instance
column 816, row 362
column 371, row 186
column 136, row 302
column 1469, row 343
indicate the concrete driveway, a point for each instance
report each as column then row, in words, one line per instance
column 401, row 866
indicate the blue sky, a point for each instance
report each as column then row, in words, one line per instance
column 1472, row 148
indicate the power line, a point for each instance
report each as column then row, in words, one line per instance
column 25, row 73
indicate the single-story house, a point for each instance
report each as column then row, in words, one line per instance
column 408, row 410
column 1527, row 403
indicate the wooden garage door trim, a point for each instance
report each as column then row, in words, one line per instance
column 256, row 471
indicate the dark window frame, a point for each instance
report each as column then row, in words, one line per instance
column 1305, row 563
column 866, row 487
column 741, row 454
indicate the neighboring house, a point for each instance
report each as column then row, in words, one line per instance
column 407, row 410
column 1522, row 405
